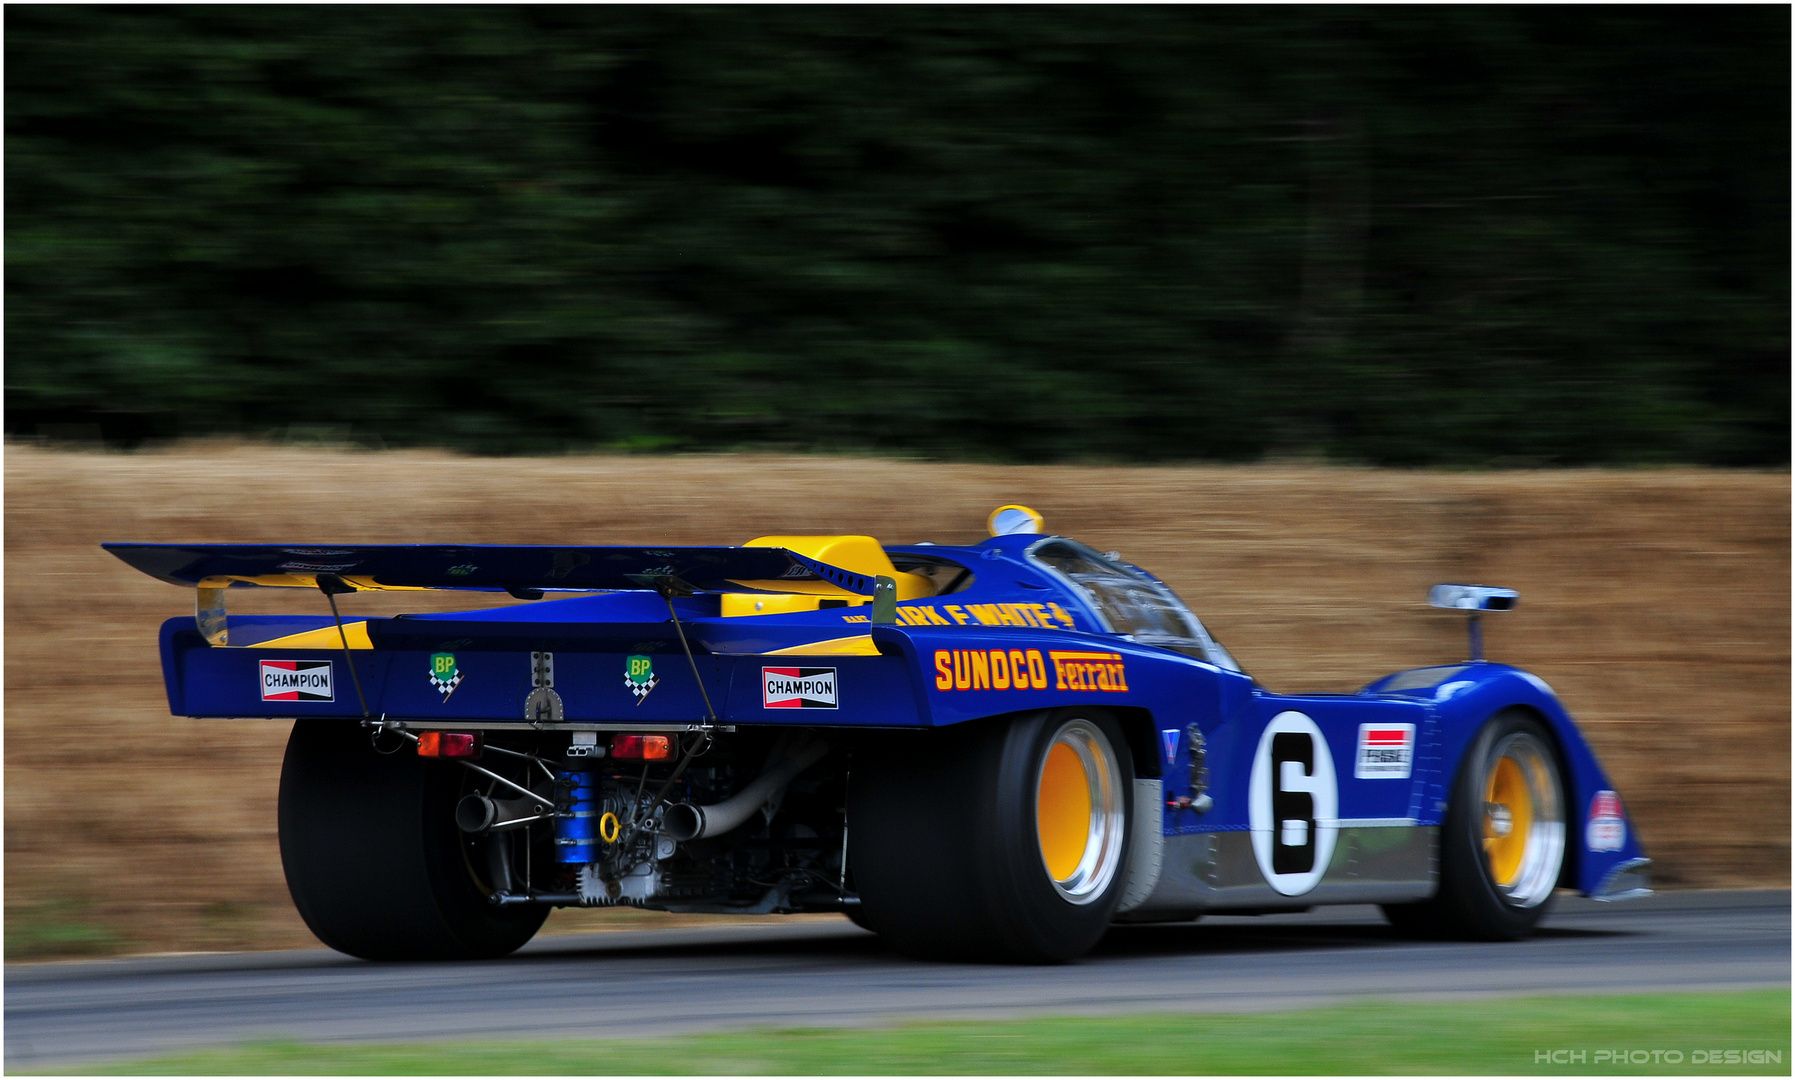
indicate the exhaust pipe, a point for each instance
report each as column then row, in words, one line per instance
column 687, row 822
column 479, row 813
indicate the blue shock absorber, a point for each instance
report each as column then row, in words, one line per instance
column 576, row 827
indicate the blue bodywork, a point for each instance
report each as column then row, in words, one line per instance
column 1019, row 636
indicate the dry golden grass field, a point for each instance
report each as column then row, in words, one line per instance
column 1655, row 602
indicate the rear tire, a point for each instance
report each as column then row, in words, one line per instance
column 1003, row 839
column 373, row 858
column 1503, row 842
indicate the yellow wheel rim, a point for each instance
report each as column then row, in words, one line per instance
column 1507, row 820
column 1080, row 815
column 1523, row 820
column 1063, row 811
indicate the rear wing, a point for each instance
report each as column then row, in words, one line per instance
column 523, row 571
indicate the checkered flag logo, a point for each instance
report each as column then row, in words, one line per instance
column 641, row 689
column 445, row 675
column 446, row 687
column 639, row 677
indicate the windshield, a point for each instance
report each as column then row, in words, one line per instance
column 945, row 575
column 1130, row 602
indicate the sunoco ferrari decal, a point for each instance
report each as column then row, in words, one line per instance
column 1089, row 671
column 990, row 669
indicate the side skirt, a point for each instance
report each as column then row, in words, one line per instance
column 1202, row 872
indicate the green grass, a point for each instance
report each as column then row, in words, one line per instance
column 1493, row 1036
column 57, row 929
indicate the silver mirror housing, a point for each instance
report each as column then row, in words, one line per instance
column 1472, row 598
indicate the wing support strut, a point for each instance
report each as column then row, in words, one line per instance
column 209, row 616
column 670, row 586
column 330, row 585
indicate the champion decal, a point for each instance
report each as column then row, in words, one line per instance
column 798, row 688
column 297, row 680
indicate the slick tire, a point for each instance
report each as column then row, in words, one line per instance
column 373, row 857
column 1502, row 845
column 1004, row 839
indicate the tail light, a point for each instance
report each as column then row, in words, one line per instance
column 452, row 744
column 642, row 747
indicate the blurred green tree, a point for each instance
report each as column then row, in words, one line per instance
column 1399, row 235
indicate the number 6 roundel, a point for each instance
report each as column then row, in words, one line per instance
column 1293, row 803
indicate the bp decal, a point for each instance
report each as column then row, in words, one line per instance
column 639, row 677
column 1293, row 803
column 444, row 675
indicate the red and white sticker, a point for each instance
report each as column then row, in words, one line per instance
column 798, row 687
column 297, row 680
column 1607, row 824
column 1386, row 752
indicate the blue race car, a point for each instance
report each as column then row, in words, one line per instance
column 992, row 751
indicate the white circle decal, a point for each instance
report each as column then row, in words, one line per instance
column 1293, row 802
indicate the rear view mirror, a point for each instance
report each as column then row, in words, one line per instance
column 1472, row 598
column 1010, row 520
column 1475, row 599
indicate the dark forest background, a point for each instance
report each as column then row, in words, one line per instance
column 1485, row 236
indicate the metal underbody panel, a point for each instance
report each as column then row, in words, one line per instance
column 1202, row 872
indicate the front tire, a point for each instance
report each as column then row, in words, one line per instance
column 1003, row 839
column 373, row 857
column 1503, row 842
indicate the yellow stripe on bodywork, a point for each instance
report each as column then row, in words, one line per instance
column 324, row 637
column 826, row 590
column 302, row 581
column 737, row 605
column 858, row 645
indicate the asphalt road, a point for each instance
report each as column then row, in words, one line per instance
column 829, row 973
